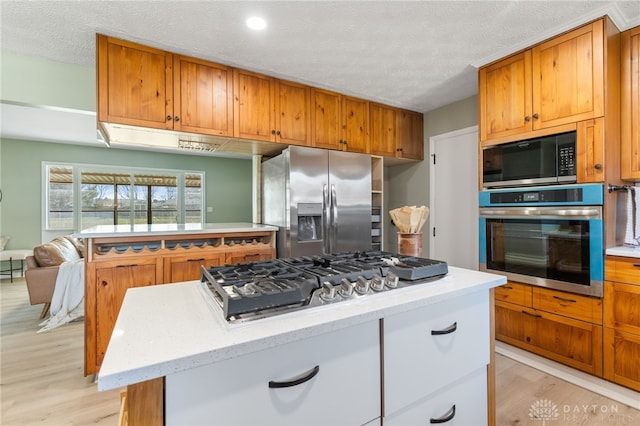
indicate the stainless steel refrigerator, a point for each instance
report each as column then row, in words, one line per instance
column 319, row 199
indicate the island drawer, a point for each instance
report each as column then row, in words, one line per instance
column 461, row 403
column 342, row 368
column 427, row 348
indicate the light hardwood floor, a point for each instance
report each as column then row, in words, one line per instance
column 42, row 380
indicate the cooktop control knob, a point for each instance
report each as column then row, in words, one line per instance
column 362, row 285
column 328, row 291
column 377, row 283
column 346, row 288
column 391, row 280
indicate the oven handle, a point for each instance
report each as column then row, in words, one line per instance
column 544, row 212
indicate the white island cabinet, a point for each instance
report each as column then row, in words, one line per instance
column 413, row 355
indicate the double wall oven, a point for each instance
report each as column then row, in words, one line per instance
column 537, row 225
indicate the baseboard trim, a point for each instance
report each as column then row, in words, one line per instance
column 602, row 387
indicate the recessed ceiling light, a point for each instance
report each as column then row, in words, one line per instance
column 256, row 23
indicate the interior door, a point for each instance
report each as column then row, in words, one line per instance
column 453, row 236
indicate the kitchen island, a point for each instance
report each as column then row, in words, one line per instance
column 351, row 362
column 119, row 257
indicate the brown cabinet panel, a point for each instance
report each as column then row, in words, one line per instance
column 382, row 125
column 568, row 77
column 622, row 307
column 511, row 292
column 112, row 282
column 254, row 112
column 505, row 97
column 203, row 97
column 622, row 358
column 566, row 304
column 630, row 105
column 590, row 149
column 622, row 269
column 135, row 84
column 293, row 113
column 355, row 115
column 187, row 267
column 326, row 119
column 249, row 254
column 410, row 135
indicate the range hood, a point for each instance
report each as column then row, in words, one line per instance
column 72, row 126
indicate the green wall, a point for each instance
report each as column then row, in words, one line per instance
column 408, row 185
column 228, row 182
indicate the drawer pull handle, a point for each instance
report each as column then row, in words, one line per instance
column 637, row 265
column 508, row 287
column 196, row 260
column 562, row 299
column 304, row 377
column 446, row 417
column 127, row 266
column 453, row 327
column 532, row 315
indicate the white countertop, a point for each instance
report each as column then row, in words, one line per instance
column 108, row 231
column 169, row 328
column 623, row 251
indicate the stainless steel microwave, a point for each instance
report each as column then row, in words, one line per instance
column 548, row 160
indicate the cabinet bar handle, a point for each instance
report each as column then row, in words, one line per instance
column 304, row 377
column 446, row 417
column 637, row 265
column 127, row 266
column 562, row 299
column 195, row 260
column 508, row 287
column 453, row 327
column 532, row 315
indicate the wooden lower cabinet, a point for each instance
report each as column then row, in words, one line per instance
column 111, row 281
column 561, row 326
column 622, row 358
column 251, row 254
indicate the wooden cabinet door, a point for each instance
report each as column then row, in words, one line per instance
column 112, row 282
column 355, row 116
column 203, row 97
column 622, row 307
column 568, row 77
column 382, row 125
column 293, row 113
column 253, row 114
column 590, row 151
column 326, row 121
column 410, row 135
column 187, row 267
column 504, row 95
column 135, row 84
column 630, row 111
column 621, row 355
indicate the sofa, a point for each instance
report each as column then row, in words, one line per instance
column 43, row 266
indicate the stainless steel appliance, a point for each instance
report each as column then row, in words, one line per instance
column 549, row 236
column 319, row 199
column 542, row 161
column 250, row 291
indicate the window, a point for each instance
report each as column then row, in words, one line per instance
column 106, row 196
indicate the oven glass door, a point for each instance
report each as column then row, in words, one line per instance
column 555, row 249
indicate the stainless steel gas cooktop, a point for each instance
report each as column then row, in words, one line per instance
column 250, row 291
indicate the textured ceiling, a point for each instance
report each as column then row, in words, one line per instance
column 413, row 54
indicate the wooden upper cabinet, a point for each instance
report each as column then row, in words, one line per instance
column 355, row 116
column 560, row 81
column 505, row 97
column 135, row 84
column 568, row 77
column 410, row 135
column 630, row 105
column 203, row 97
column 293, row 113
column 326, row 121
column 382, row 125
column 254, row 112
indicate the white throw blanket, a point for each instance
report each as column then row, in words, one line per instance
column 632, row 231
column 67, row 302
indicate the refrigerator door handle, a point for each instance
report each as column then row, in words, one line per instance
column 325, row 219
column 334, row 219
